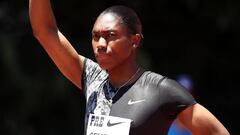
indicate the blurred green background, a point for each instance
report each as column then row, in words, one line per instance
column 198, row 38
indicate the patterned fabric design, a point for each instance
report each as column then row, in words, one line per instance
column 95, row 89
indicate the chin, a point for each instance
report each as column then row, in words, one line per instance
column 107, row 64
column 104, row 65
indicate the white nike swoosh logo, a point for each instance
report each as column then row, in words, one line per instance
column 110, row 124
column 131, row 102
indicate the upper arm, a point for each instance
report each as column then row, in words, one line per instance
column 66, row 58
column 45, row 29
column 201, row 122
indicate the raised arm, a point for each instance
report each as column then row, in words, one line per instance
column 45, row 29
column 201, row 122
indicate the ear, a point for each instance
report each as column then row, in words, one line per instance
column 136, row 40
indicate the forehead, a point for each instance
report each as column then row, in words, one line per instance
column 108, row 22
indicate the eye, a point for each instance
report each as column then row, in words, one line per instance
column 110, row 35
column 95, row 36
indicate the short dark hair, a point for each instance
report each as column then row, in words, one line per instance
column 128, row 17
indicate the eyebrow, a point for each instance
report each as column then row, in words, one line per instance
column 103, row 31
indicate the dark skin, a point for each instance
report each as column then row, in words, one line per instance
column 115, row 50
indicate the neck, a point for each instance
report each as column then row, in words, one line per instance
column 124, row 75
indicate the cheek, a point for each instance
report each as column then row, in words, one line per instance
column 94, row 45
column 122, row 50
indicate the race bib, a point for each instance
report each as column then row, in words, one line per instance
column 107, row 125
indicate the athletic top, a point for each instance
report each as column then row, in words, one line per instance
column 152, row 102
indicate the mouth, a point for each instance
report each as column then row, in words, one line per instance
column 101, row 50
column 101, row 53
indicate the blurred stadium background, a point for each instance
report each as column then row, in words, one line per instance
column 198, row 38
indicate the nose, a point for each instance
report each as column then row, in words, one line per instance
column 102, row 42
